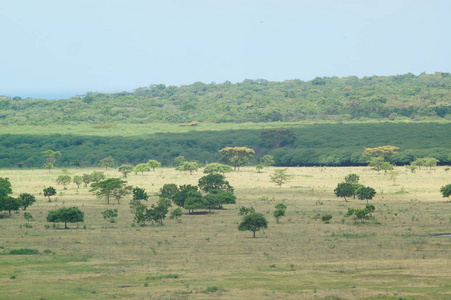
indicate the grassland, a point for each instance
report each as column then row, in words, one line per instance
column 205, row 256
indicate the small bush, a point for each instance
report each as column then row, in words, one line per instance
column 326, row 218
column 212, row 289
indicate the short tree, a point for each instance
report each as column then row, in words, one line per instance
column 139, row 194
column 87, row 179
column 217, row 168
column 49, row 191
column 107, row 162
column 168, row 190
column 253, row 222
column 97, row 176
column 352, row 178
column 110, row 215
column 326, row 218
column 446, row 191
column 66, row 215
column 176, row 214
column 236, row 156
column 195, row 201
column 78, row 180
column 280, row 177
column 28, row 217
column 190, row 166
column 378, row 164
column 279, row 212
column 183, row 192
column 50, row 156
column 9, row 204
column 179, row 160
column 214, row 182
column 365, row 193
column 64, row 180
column 152, row 163
column 268, row 160
column 361, row 214
column 125, row 170
column 111, row 187
column 141, row 168
column 5, row 187
column 345, row 189
column 26, row 200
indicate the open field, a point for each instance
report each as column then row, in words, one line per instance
column 205, row 256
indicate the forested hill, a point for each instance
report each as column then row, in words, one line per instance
column 419, row 97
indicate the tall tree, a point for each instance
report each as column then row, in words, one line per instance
column 253, row 222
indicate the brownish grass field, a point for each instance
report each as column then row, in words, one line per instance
column 205, row 256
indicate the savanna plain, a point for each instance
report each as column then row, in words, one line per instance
column 397, row 255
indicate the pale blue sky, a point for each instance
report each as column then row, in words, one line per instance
column 60, row 48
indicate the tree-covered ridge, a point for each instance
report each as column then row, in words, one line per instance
column 326, row 98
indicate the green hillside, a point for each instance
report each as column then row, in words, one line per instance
column 426, row 96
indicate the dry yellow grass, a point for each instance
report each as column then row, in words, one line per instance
column 300, row 258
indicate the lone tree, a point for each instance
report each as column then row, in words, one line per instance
column 50, row 156
column 365, row 193
column 125, row 170
column 253, row 222
column 107, row 162
column 152, row 163
column 236, row 156
column 66, row 215
column 111, row 187
column 26, row 200
column 446, row 191
column 280, row 177
column 49, row 191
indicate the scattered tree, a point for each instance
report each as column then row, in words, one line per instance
column 110, row 215
column 176, row 214
column 246, row 210
column 446, row 191
column 259, row 168
column 345, row 189
column 365, row 193
column 386, row 152
column 66, row 215
column 237, row 156
column 49, row 191
column 280, row 211
column 268, row 160
column 141, row 168
column 125, row 170
column 139, row 194
column 361, row 214
column 280, row 177
column 190, row 166
column 214, row 182
column 152, row 163
column 97, row 176
column 9, row 204
column 26, row 200
column 28, row 217
column 107, row 162
column 111, row 187
column 253, row 222
column 78, row 180
column 50, row 156
column 64, row 180
column 179, row 160
column 217, row 168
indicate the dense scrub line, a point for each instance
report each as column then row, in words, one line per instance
column 309, row 145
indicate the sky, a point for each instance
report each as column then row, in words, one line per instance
column 61, row 48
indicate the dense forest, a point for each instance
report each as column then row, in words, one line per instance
column 301, row 145
column 426, row 96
